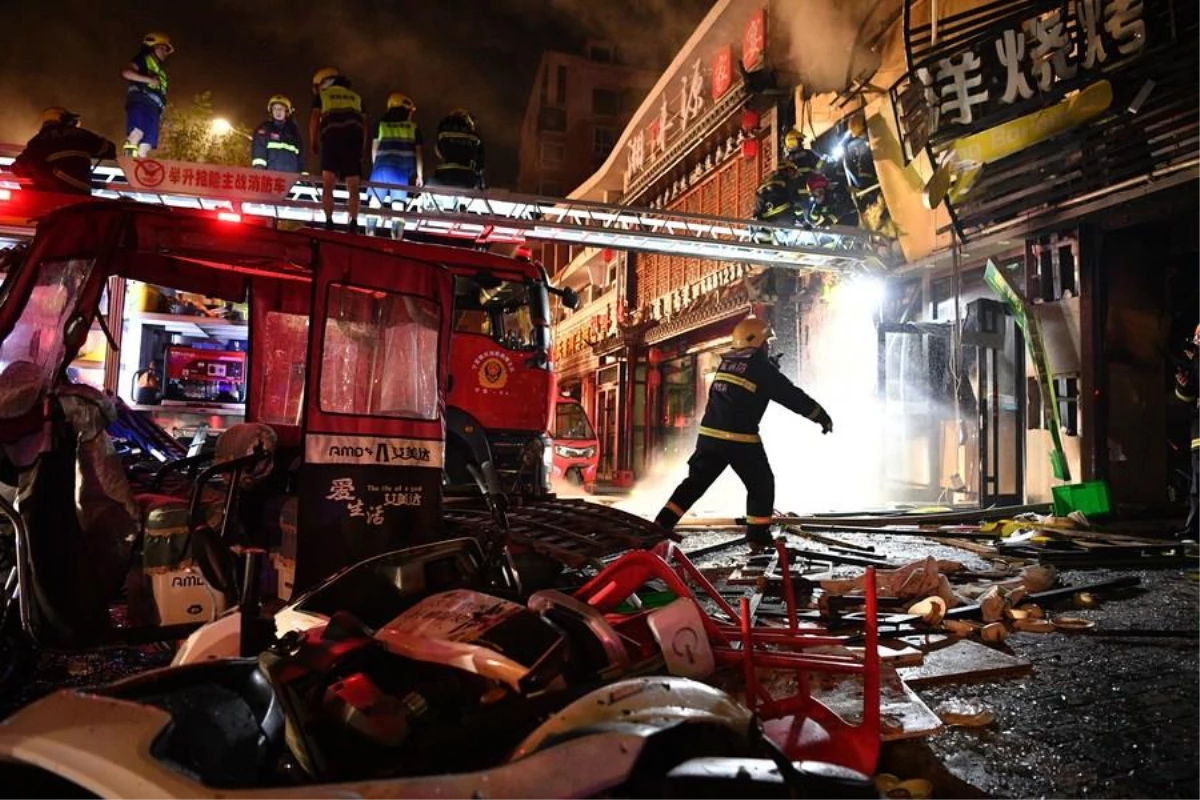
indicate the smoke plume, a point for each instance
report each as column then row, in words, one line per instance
column 827, row 41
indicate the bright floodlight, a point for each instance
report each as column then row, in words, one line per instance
column 861, row 292
column 221, row 126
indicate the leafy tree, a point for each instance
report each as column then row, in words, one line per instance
column 187, row 134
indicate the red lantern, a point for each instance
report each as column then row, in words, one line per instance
column 749, row 119
column 654, row 356
column 750, row 149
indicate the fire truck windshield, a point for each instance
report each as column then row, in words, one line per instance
column 511, row 313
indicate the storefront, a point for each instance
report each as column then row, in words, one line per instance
column 1058, row 141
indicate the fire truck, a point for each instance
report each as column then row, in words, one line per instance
column 502, row 391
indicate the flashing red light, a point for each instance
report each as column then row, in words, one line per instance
column 525, row 252
column 5, row 194
column 229, row 216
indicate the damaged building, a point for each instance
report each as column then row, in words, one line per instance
column 1054, row 141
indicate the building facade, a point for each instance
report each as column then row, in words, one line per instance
column 1055, row 141
column 579, row 105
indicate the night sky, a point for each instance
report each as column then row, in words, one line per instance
column 481, row 54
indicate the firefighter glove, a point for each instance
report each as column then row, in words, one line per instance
column 826, row 423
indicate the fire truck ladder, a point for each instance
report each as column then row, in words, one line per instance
column 496, row 216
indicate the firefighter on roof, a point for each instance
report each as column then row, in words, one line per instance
column 276, row 142
column 746, row 381
column 59, row 157
column 146, row 94
column 459, row 152
column 396, row 153
column 337, row 130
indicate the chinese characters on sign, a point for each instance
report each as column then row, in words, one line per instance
column 1016, row 62
column 184, row 177
column 722, row 72
column 754, row 40
column 699, row 85
column 378, row 498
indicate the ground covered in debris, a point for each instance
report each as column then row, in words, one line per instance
column 1110, row 712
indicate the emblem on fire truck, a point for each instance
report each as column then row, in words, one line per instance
column 493, row 373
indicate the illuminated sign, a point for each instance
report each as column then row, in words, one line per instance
column 184, row 177
column 754, row 40
column 702, row 81
column 1018, row 64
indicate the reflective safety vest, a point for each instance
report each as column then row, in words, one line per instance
column 397, row 138
column 340, row 107
column 155, row 70
column 339, row 98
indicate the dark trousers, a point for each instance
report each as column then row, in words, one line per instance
column 1193, row 518
column 712, row 456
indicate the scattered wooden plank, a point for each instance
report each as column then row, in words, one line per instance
column 964, row 660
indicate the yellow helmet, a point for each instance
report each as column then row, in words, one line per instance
column 155, row 39
column 464, row 115
column 324, row 74
column 751, row 332
column 398, row 99
column 793, row 140
column 58, row 115
column 283, row 100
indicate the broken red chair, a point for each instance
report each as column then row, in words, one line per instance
column 804, row 727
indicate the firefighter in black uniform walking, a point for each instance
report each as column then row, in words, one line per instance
column 1187, row 389
column 745, row 382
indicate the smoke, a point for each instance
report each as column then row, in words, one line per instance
column 813, row 473
column 827, row 41
column 648, row 32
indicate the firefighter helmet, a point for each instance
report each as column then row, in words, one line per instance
column 751, row 332
column 793, row 140
column 324, row 74
column 281, row 99
column 157, row 39
column 817, row 181
column 401, row 100
column 465, row 116
column 56, row 115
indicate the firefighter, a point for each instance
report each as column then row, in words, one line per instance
column 827, row 205
column 396, row 154
column 778, row 198
column 59, row 157
column 1187, row 389
column 146, row 95
column 276, row 143
column 783, row 197
column 859, row 165
column 459, row 152
column 746, row 380
column 337, row 130
column 805, row 161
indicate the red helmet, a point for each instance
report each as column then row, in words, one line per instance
column 817, row 181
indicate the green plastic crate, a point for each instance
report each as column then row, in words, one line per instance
column 1090, row 497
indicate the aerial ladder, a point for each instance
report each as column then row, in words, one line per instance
column 570, row 531
column 499, row 216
